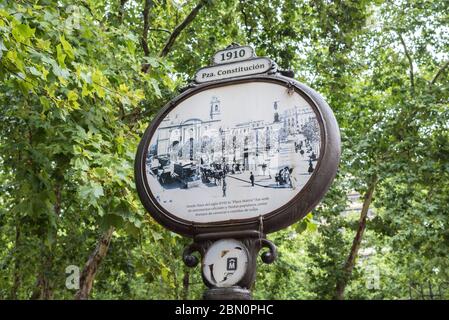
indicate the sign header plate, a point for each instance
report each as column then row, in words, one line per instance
column 233, row 70
column 233, row 54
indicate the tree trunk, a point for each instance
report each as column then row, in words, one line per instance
column 185, row 285
column 350, row 262
column 146, row 25
column 43, row 290
column 44, row 286
column 16, row 272
column 90, row 269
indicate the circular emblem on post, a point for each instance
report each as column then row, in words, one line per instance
column 225, row 263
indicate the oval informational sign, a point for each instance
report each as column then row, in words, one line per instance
column 256, row 152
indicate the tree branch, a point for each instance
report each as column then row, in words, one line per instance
column 177, row 31
column 160, row 29
column 410, row 61
column 146, row 26
column 248, row 29
column 350, row 261
column 439, row 72
column 121, row 10
column 92, row 265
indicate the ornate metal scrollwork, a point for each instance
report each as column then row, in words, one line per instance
column 187, row 256
column 233, row 45
column 270, row 255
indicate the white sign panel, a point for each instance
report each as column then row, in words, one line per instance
column 233, row 55
column 225, row 263
column 231, row 70
column 233, row 152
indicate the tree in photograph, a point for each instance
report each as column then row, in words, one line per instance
column 311, row 130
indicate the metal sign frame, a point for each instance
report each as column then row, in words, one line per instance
column 295, row 209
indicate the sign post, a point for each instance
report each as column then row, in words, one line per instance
column 243, row 152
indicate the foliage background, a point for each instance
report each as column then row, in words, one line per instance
column 80, row 80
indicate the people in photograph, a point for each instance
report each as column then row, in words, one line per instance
column 224, row 185
column 286, row 175
column 251, row 178
column 237, row 168
column 310, row 170
column 264, row 168
column 217, row 176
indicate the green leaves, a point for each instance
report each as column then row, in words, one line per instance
column 15, row 60
column 60, row 55
column 91, row 192
column 67, row 48
column 22, row 32
column 306, row 223
column 2, row 48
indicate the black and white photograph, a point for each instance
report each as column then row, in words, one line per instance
column 252, row 145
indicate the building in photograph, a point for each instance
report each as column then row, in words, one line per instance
column 252, row 144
